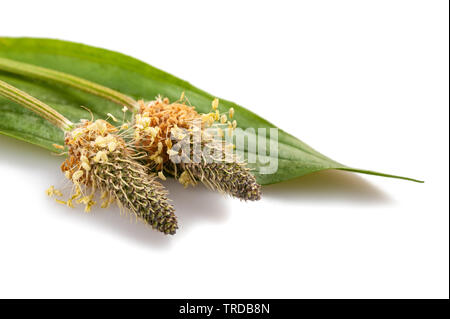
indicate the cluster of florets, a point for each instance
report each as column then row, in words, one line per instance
column 88, row 144
column 100, row 159
column 192, row 146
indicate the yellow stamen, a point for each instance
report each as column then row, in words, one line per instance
column 215, row 104
column 70, row 204
column 50, row 191
column 101, row 157
column 112, row 146
column 161, row 175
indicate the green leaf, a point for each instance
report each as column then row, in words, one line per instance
column 138, row 80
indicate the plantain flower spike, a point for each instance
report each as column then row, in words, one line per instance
column 192, row 146
column 100, row 159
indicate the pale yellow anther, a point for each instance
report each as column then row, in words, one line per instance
column 100, row 141
column 142, row 121
column 86, row 199
column 85, row 163
column 105, row 141
column 99, row 126
column 67, row 174
column 215, row 104
column 69, row 203
column 50, row 191
column 161, row 175
column 208, row 119
column 77, row 175
column 77, row 193
column 105, row 204
column 223, row 119
column 112, row 146
column 88, row 206
column 124, row 126
column 234, row 124
column 61, row 202
column 231, row 112
column 124, row 109
column 101, row 157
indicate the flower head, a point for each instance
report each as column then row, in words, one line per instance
column 100, row 159
column 191, row 146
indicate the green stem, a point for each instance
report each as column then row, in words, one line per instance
column 67, row 79
column 26, row 100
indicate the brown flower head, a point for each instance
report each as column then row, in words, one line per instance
column 99, row 159
column 190, row 146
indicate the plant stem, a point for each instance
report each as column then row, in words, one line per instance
column 67, row 79
column 26, row 100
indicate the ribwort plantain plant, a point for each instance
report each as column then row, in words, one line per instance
column 189, row 143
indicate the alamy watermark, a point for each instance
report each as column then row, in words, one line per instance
column 258, row 147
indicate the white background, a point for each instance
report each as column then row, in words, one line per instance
column 364, row 82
